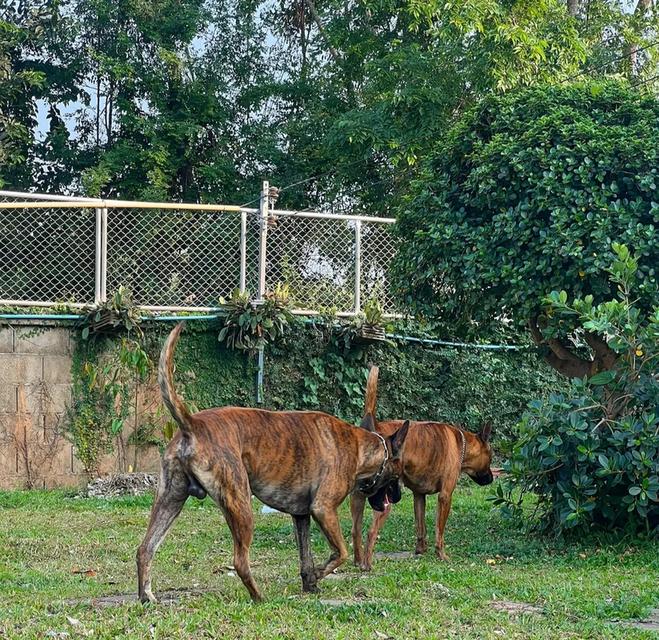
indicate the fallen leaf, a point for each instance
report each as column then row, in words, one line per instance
column 490, row 561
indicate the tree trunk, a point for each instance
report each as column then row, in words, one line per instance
column 640, row 12
column 561, row 358
column 573, row 7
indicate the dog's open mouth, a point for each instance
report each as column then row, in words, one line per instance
column 385, row 496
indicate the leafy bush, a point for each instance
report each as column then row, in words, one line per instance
column 592, row 455
column 249, row 326
column 523, row 197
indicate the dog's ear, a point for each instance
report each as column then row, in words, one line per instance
column 368, row 422
column 486, row 432
column 398, row 439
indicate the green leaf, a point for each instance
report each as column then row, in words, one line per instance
column 601, row 378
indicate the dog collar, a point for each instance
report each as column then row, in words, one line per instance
column 376, row 477
column 464, row 448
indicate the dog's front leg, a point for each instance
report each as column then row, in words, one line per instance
column 420, row 522
column 379, row 518
column 328, row 520
column 307, row 571
column 357, row 504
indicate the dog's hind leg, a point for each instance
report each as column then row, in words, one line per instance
column 357, row 503
column 171, row 496
column 328, row 520
column 231, row 492
column 379, row 518
column 443, row 509
column 420, row 522
column 307, row 571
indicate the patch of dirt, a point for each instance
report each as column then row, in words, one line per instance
column 120, row 599
column 515, row 607
column 649, row 624
column 121, row 484
column 335, row 602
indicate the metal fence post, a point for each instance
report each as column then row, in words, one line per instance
column 104, row 254
column 263, row 238
column 243, row 250
column 358, row 265
column 98, row 256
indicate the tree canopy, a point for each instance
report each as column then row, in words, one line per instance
column 199, row 100
column 525, row 196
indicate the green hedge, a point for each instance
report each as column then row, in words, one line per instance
column 310, row 369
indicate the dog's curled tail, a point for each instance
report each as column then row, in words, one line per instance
column 172, row 401
column 371, row 399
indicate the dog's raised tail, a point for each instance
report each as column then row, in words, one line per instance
column 371, row 399
column 172, row 401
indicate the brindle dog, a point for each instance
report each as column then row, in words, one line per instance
column 304, row 463
column 435, row 455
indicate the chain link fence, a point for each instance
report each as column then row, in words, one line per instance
column 78, row 251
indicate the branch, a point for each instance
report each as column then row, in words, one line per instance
column 321, row 29
column 560, row 357
column 333, row 52
column 605, row 357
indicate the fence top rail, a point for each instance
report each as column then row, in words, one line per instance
column 43, row 201
column 120, row 204
column 330, row 216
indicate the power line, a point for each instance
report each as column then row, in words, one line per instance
column 646, row 81
column 316, row 177
column 608, row 63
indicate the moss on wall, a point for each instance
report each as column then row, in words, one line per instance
column 310, row 369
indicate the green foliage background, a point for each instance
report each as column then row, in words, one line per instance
column 310, row 369
column 536, row 184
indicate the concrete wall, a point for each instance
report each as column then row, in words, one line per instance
column 35, row 393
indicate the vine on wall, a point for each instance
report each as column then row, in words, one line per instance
column 314, row 365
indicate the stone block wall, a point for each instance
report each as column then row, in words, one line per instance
column 35, row 396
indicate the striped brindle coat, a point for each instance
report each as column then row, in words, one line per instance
column 435, row 455
column 304, row 463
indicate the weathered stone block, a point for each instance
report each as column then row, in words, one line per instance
column 57, row 369
column 6, row 340
column 8, row 398
column 7, row 460
column 18, row 368
column 45, row 341
column 46, row 398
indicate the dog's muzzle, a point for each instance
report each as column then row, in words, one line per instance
column 483, row 478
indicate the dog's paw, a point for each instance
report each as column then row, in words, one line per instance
column 147, row 598
column 441, row 555
column 310, row 587
column 365, row 566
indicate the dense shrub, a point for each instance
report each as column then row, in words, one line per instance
column 523, row 197
column 592, row 455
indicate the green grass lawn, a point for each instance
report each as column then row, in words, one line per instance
column 583, row 589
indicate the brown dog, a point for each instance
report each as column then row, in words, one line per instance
column 435, row 455
column 303, row 463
